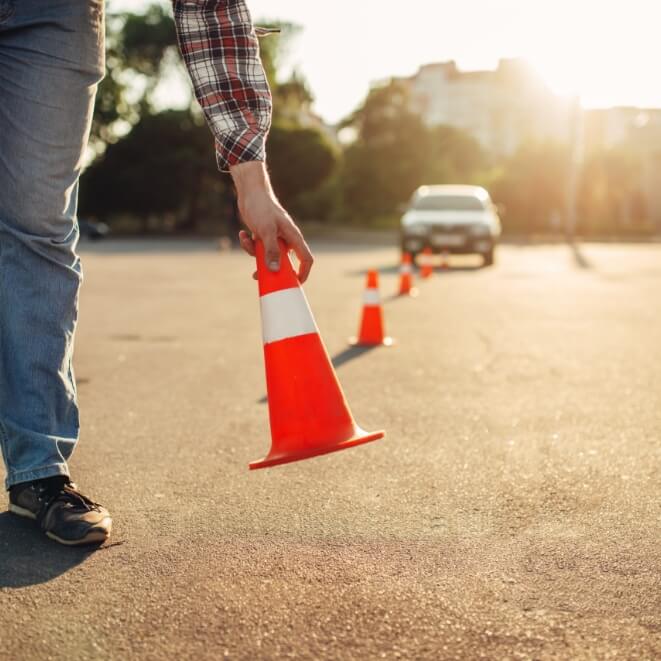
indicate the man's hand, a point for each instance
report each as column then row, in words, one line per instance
column 266, row 219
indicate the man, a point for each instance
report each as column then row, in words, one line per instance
column 51, row 60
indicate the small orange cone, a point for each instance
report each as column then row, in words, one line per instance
column 406, row 287
column 307, row 409
column 371, row 324
column 426, row 265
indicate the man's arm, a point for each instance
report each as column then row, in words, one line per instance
column 220, row 48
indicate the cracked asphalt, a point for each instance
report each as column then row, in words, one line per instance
column 513, row 510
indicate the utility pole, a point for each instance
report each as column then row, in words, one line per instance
column 576, row 150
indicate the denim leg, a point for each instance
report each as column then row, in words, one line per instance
column 51, row 59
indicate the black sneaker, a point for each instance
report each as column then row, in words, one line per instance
column 61, row 511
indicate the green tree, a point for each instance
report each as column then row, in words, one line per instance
column 140, row 50
column 389, row 158
column 300, row 161
column 164, row 168
column 611, row 200
column 273, row 49
column 532, row 186
column 158, row 167
column 455, row 157
column 301, row 157
column 395, row 152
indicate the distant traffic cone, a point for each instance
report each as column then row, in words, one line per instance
column 371, row 324
column 445, row 260
column 307, row 409
column 426, row 266
column 406, row 287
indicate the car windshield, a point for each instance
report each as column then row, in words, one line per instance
column 448, row 203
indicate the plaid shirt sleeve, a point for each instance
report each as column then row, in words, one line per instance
column 221, row 51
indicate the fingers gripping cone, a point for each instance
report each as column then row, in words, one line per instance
column 371, row 324
column 308, row 412
column 406, row 287
column 426, row 266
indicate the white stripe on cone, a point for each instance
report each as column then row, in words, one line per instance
column 371, row 297
column 285, row 313
column 406, row 268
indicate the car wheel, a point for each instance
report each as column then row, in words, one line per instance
column 489, row 257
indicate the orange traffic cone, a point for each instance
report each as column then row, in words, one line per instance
column 426, row 265
column 371, row 324
column 307, row 409
column 406, row 287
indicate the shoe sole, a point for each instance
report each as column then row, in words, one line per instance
column 20, row 511
column 94, row 536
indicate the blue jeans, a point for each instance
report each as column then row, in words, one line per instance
column 51, row 59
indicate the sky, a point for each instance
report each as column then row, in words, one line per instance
column 606, row 51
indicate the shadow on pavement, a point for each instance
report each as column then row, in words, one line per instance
column 27, row 557
column 392, row 297
column 459, row 269
column 344, row 356
column 581, row 260
column 393, row 270
column 348, row 354
column 383, row 270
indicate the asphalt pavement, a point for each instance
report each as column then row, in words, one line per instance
column 513, row 510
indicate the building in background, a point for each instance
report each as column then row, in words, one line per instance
column 511, row 105
column 502, row 108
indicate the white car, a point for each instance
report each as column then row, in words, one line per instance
column 453, row 219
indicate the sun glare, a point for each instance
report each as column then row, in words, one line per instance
column 600, row 51
column 605, row 51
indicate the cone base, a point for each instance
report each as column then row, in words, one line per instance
column 359, row 439
column 413, row 292
column 386, row 342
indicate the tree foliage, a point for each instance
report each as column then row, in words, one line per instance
column 140, row 48
column 611, row 199
column 164, row 167
column 300, row 160
column 157, row 166
column 395, row 152
column 532, row 186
